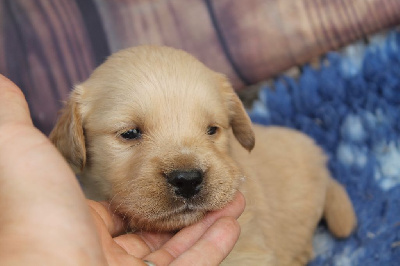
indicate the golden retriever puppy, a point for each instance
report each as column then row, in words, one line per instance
column 166, row 140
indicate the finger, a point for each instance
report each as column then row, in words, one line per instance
column 120, row 250
column 13, row 106
column 155, row 240
column 138, row 244
column 210, row 249
column 214, row 246
column 111, row 221
column 114, row 253
column 142, row 244
column 109, row 227
column 188, row 236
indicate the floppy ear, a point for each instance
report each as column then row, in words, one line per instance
column 239, row 120
column 68, row 135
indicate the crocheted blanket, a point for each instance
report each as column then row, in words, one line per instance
column 351, row 107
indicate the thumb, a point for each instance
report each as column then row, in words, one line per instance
column 14, row 107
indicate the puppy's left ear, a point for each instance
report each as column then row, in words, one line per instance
column 239, row 120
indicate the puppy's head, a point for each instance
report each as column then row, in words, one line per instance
column 149, row 132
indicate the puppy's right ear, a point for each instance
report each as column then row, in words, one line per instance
column 68, row 135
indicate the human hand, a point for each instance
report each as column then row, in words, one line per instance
column 207, row 242
column 45, row 219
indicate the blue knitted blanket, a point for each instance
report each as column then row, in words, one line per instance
column 351, row 107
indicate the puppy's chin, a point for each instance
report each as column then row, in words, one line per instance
column 169, row 223
column 179, row 213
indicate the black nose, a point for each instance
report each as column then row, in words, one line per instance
column 186, row 182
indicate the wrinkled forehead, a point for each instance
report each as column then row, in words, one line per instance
column 180, row 91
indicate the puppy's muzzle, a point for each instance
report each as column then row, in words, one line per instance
column 186, row 183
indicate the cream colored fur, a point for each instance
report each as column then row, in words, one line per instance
column 173, row 99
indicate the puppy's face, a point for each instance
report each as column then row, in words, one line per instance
column 149, row 132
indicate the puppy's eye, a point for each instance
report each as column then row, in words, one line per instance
column 212, row 130
column 132, row 134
